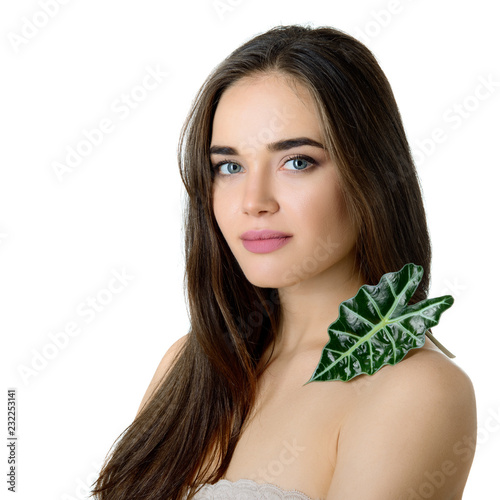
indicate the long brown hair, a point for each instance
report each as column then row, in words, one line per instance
column 200, row 406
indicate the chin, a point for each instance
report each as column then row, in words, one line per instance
column 270, row 278
column 264, row 281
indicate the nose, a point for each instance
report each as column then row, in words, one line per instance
column 259, row 195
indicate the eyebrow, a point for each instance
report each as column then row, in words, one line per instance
column 272, row 146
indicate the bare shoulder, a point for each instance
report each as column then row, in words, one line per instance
column 438, row 392
column 411, row 431
column 162, row 369
column 429, row 375
column 171, row 353
column 424, row 376
column 427, row 382
column 440, row 388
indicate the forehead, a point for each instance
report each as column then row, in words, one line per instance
column 266, row 108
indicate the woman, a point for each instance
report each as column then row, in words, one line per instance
column 301, row 188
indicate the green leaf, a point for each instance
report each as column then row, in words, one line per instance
column 376, row 327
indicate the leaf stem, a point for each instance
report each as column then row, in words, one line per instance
column 441, row 346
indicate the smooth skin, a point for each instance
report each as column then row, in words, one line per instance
column 315, row 271
column 406, row 432
column 408, row 423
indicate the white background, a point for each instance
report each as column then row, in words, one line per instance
column 119, row 210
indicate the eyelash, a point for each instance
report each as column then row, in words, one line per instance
column 308, row 159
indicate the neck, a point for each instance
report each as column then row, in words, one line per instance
column 310, row 306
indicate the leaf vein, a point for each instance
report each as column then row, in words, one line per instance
column 365, row 320
column 374, row 304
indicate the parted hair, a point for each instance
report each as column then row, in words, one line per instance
column 197, row 413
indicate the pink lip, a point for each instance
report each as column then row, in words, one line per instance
column 264, row 241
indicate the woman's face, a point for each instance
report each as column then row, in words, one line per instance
column 266, row 184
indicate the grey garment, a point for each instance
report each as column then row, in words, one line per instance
column 247, row 489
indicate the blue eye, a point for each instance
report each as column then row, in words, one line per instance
column 228, row 167
column 299, row 163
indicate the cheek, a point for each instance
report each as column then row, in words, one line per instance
column 322, row 206
column 340, row 221
column 324, row 217
column 223, row 211
column 219, row 215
